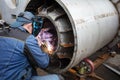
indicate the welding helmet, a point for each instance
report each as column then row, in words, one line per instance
column 27, row 17
column 37, row 25
column 23, row 18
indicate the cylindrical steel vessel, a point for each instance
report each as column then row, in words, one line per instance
column 94, row 24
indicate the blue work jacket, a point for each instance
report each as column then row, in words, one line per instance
column 13, row 63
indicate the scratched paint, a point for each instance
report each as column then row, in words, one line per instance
column 105, row 15
column 96, row 17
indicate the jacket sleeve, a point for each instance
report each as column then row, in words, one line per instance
column 41, row 58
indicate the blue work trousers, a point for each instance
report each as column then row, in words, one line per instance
column 47, row 77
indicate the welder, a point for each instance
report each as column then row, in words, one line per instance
column 18, row 46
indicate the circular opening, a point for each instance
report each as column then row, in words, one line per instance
column 59, row 55
column 59, row 26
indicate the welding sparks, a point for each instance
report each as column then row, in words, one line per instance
column 50, row 48
column 45, row 40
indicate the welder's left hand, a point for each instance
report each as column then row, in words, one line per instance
column 43, row 36
column 39, row 41
column 45, row 39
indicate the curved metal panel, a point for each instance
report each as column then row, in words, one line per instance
column 94, row 22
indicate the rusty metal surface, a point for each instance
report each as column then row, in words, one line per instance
column 101, row 59
column 113, row 64
column 97, row 63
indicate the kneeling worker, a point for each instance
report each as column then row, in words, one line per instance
column 16, row 43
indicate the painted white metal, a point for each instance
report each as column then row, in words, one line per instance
column 95, row 23
column 9, row 9
column 115, row 1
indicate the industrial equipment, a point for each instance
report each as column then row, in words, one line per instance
column 80, row 28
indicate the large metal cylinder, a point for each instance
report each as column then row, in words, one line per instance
column 82, row 26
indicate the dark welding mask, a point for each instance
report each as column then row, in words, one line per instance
column 37, row 25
